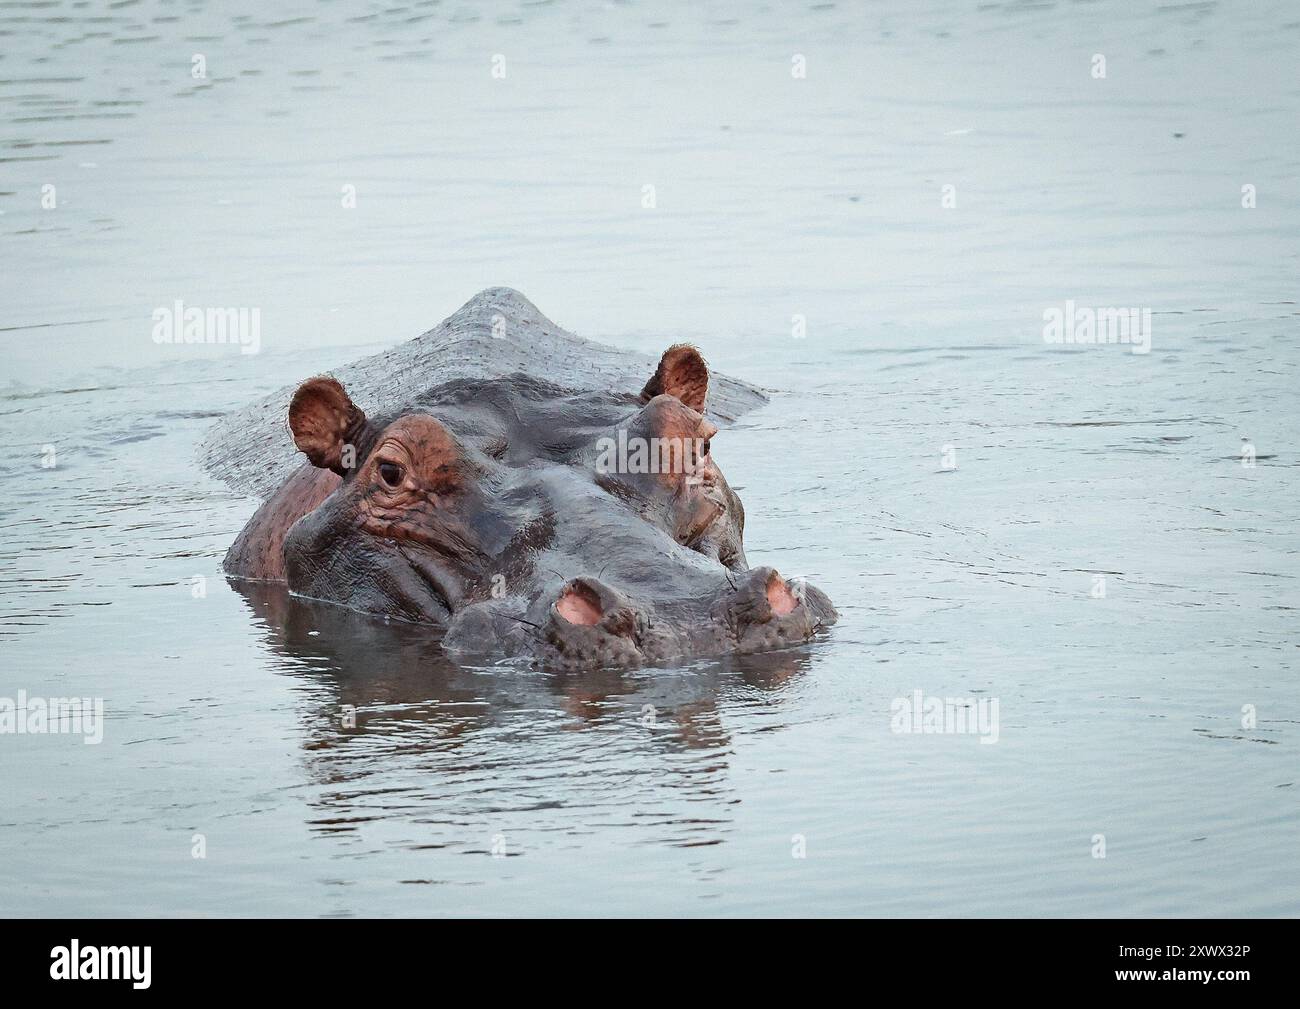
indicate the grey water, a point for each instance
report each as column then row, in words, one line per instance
column 1101, row 541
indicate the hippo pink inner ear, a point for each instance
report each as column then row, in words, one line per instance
column 681, row 373
column 320, row 416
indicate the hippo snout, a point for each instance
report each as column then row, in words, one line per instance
column 585, row 622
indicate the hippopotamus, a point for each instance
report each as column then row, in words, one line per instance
column 518, row 490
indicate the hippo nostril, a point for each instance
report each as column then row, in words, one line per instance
column 579, row 604
column 760, row 599
column 590, row 622
column 779, row 596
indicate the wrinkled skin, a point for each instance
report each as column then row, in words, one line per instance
column 495, row 509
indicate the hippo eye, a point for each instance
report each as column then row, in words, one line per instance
column 391, row 473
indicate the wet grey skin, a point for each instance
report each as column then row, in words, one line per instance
column 485, row 507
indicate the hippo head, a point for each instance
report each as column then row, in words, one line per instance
column 577, row 527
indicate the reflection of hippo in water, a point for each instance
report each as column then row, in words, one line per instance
column 578, row 518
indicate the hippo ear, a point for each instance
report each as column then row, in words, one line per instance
column 321, row 416
column 681, row 373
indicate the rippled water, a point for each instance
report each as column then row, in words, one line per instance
column 507, row 791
